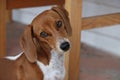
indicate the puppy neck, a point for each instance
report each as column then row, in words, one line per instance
column 55, row 70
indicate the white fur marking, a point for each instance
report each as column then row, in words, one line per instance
column 14, row 57
column 55, row 70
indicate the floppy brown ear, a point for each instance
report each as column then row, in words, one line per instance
column 28, row 45
column 64, row 15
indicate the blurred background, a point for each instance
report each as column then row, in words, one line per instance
column 100, row 49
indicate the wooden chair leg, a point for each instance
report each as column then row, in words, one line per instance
column 74, row 8
column 2, row 28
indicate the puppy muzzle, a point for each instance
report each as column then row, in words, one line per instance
column 65, row 46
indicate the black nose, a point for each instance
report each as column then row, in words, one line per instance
column 65, row 46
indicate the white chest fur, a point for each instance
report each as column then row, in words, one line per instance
column 55, row 70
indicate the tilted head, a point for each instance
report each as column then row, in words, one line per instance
column 49, row 30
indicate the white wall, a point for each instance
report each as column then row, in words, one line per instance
column 26, row 15
column 107, row 39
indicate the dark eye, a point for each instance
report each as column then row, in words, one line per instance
column 59, row 23
column 43, row 34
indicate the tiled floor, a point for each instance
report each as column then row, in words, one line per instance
column 98, row 65
column 14, row 30
column 95, row 64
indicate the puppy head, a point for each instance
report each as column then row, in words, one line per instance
column 49, row 30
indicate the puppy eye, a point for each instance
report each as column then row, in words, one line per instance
column 59, row 23
column 44, row 34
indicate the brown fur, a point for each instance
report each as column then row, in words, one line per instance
column 35, row 47
column 21, row 69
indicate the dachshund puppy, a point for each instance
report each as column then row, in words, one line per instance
column 44, row 43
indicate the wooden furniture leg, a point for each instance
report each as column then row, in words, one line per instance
column 2, row 28
column 74, row 8
column 100, row 21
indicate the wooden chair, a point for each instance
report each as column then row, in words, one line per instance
column 78, row 24
column 73, row 59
